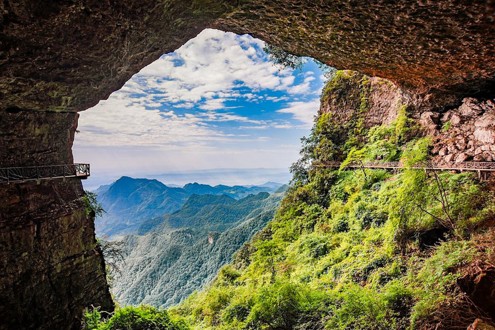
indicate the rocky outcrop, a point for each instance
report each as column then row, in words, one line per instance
column 351, row 96
column 466, row 133
column 50, row 265
column 462, row 134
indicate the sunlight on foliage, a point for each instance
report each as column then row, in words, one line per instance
column 135, row 318
column 362, row 249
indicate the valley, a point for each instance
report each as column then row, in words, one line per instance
column 164, row 257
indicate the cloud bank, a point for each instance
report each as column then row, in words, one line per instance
column 215, row 102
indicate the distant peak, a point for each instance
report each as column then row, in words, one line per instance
column 128, row 182
column 123, row 178
column 195, row 184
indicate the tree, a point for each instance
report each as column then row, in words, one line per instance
column 279, row 56
column 93, row 207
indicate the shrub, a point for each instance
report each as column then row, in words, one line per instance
column 133, row 318
column 361, row 308
column 92, row 206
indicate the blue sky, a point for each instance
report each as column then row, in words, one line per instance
column 216, row 103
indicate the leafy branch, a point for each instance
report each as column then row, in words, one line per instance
column 92, row 206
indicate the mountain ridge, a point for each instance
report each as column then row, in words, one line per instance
column 169, row 260
column 131, row 202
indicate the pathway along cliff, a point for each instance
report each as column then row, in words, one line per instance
column 61, row 57
column 483, row 169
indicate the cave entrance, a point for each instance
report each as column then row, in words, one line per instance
column 217, row 110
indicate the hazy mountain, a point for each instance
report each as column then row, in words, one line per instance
column 185, row 249
column 234, row 191
column 128, row 202
column 137, row 205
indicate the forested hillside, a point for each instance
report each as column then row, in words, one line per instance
column 185, row 250
column 137, row 205
column 362, row 248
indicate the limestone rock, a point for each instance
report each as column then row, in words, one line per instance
column 470, row 107
column 484, row 135
column 449, row 158
column 455, row 119
column 487, row 157
column 461, row 157
column 446, row 117
column 487, row 120
column 479, row 324
column 451, row 148
column 460, row 143
column 429, row 120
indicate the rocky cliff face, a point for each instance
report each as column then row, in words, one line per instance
column 351, row 95
column 65, row 56
column 50, row 265
column 465, row 133
column 461, row 134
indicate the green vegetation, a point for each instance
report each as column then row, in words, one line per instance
column 135, row 318
column 446, row 126
column 114, row 258
column 92, row 206
column 363, row 249
column 185, row 250
column 280, row 57
column 137, row 205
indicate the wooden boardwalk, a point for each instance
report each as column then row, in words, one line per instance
column 48, row 172
column 484, row 169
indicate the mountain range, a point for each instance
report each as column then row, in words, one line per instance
column 173, row 240
column 137, row 205
column 184, row 252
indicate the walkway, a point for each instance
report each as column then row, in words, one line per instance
column 35, row 173
column 482, row 168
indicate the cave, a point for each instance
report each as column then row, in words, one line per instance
column 62, row 57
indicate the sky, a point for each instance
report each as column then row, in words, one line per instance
column 215, row 111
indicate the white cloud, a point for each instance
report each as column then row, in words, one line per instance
column 303, row 111
column 173, row 113
column 119, row 121
column 212, row 65
column 212, row 104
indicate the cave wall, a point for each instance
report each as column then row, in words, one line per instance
column 60, row 57
column 66, row 55
column 50, row 266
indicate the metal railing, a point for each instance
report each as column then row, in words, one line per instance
column 30, row 173
column 466, row 166
column 484, row 169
